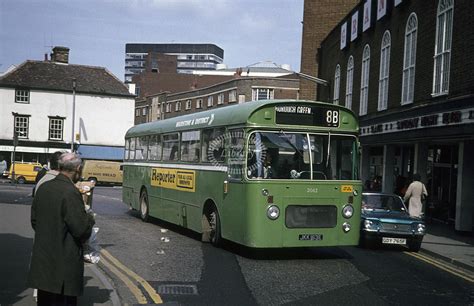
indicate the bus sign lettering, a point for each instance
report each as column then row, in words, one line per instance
column 307, row 115
column 173, row 179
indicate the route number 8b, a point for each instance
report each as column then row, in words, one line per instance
column 332, row 117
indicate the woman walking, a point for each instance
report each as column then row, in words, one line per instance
column 414, row 193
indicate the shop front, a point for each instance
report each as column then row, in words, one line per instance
column 438, row 146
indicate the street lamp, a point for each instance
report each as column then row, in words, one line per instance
column 73, row 111
column 15, row 143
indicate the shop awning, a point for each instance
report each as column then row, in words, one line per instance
column 100, row 152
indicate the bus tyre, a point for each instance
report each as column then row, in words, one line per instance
column 212, row 228
column 144, row 206
column 21, row 180
column 93, row 180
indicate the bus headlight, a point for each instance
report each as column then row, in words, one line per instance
column 346, row 227
column 273, row 212
column 347, row 211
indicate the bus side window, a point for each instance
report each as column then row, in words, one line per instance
column 213, row 145
column 170, row 147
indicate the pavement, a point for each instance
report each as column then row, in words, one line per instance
column 443, row 242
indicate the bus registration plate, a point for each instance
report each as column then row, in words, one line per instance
column 311, row 237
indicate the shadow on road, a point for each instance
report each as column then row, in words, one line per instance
column 15, row 253
column 253, row 253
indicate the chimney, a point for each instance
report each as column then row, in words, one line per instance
column 60, row 55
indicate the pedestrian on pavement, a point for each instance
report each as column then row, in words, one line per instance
column 47, row 174
column 415, row 193
column 61, row 226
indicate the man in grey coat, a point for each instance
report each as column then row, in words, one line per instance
column 61, row 226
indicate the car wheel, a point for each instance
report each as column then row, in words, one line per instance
column 21, row 180
column 414, row 246
column 144, row 206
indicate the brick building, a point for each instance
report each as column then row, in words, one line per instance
column 406, row 69
column 319, row 18
column 236, row 90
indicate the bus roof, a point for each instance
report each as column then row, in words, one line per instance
column 222, row 116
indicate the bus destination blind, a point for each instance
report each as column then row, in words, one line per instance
column 307, row 115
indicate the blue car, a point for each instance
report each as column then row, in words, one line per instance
column 385, row 221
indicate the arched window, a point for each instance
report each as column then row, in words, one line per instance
column 364, row 83
column 384, row 71
column 409, row 59
column 442, row 57
column 349, row 81
column 337, row 84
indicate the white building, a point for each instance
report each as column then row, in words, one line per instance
column 38, row 100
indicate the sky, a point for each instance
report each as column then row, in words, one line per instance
column 96, row 31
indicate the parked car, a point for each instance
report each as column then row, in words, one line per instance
column 24, row 172
column 385, row 221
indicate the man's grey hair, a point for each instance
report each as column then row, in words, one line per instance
column 69, row 162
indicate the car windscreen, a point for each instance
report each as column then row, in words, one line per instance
column 382, row 202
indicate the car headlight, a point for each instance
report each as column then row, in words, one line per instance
column 421, row 228
column 347, row 211
column 273, row 212
column 370, row 225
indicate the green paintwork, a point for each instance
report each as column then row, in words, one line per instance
column 242, row 210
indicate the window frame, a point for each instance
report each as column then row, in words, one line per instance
column 349, row 82
column 22, row 96
column 384, row 71
column 210, row 101
column 257, row 90
column 220, row 98
column 364, row 81
column 337, row 84
column 443, row 43
column 51, row 130
column 409, row 60
column 22, row 132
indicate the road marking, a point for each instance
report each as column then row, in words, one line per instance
column 443, row 266
column 149, row 289
column 133, row 288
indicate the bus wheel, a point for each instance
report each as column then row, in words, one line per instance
column 93, row 180
column 21, row 180
column 144, row 207
column 215, row 226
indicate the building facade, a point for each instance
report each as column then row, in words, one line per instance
column 190, row 57
column 50, row 104
column 237, row 90
column 405, row 67
column 319, row 18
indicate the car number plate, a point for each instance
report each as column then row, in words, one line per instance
column 310, row 237
column 388, row 240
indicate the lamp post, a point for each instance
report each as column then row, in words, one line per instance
column 73, row 111
column 15, row 142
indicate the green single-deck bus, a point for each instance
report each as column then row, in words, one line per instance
column 264, row 174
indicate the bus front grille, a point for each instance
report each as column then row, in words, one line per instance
column 304, row 216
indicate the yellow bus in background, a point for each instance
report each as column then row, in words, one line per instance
column 101, row 171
